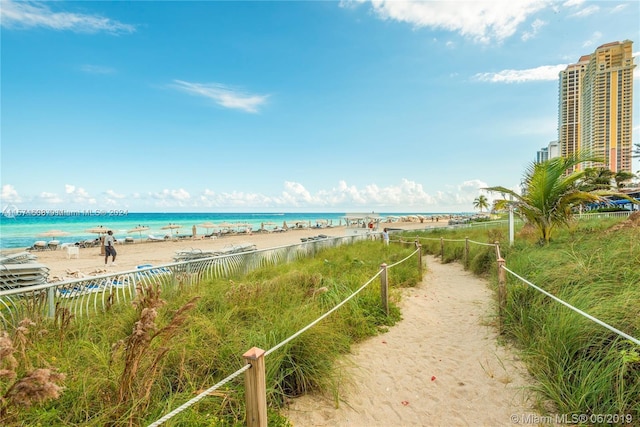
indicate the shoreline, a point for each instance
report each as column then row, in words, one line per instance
column 90, row 262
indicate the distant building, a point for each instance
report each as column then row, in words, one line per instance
column 549, row 152
column 595, row 106
column 542, row 155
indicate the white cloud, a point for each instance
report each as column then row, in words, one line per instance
column 409, row 195
column 46, row 198
column 619, row 8
column 589, row 10
column 482, row 21
column 405, row 196
column 9, row 194
column 595, row 37
column 25, row 15
column 223, row 95
column 535, row 28
column 542, row 73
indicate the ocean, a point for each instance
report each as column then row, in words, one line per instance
column 20, row 229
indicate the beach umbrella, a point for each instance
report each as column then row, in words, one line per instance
column 53, row 233
column 207, row 225
column 99, row 230
column 138, row 229
column 172, row 227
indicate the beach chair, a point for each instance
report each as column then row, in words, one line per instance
column 40, row 245
column 53, row 245
column 73, row 251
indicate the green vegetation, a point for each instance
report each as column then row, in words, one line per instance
column 548, row 195
column 481, row 202
column 134, row 364
column 580, row 366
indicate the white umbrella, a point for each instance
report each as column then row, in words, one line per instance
column 207, row 225
column 171, row 227
column 98, row 230
column 53, row 233
column 138, row 229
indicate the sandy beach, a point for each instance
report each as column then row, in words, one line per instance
column 130, row 255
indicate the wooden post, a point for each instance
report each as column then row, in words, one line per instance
column 419, row 247
column 466, row 252
column 384, row 289
column 502, row 290
column 441, row 249
column 255, row 388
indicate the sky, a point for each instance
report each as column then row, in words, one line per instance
column 288, row 106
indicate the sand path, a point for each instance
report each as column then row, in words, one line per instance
column 440, row 366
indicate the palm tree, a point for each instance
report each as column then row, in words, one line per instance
column 596, row 179
column 481, row 202
column 549, row 194
column 622, row 178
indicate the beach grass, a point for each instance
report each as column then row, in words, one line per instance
column 134, row 364
column 579, row 366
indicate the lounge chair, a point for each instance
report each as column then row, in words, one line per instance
column 53, row 245
column 40, row 245
column 157, row 239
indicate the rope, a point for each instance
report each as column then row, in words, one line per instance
column 199, row 397
column 588, row 316
column 276, row 347
column 403, row 260
column 310, row 325
column 480, row 243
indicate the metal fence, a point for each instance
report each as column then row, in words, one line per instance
column 93, row 295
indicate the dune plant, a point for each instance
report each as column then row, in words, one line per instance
column 133, row 364
column 23, row 386
column 579, row 366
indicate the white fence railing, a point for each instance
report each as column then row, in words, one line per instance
column 89, row 296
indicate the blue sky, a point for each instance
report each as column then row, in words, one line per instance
column 314, row 106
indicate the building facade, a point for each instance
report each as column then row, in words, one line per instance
column 549, row 152
column 595, row 107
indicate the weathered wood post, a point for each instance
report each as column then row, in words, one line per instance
column 466, row 252
column 255, row 388
column 384, row 289
column 502, row 290
column 441, row 249
column 419, row 248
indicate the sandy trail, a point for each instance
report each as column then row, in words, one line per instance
column 440, row 366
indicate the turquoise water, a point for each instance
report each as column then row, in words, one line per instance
column 22, row 229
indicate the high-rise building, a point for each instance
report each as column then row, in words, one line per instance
column 595, row 107
column 549, row 152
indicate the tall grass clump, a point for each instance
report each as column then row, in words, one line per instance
column 580, row 366
column 135, row 363
column 583, row 367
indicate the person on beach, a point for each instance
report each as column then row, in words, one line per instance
column 385, row 236
column 109, row 248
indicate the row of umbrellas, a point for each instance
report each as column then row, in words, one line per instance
column 141, row 228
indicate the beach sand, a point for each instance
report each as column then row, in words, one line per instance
column 439, row 366
column 130, row 255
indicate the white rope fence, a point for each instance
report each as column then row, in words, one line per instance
column 577, row 310
column 199, row 397
column 276, row 347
